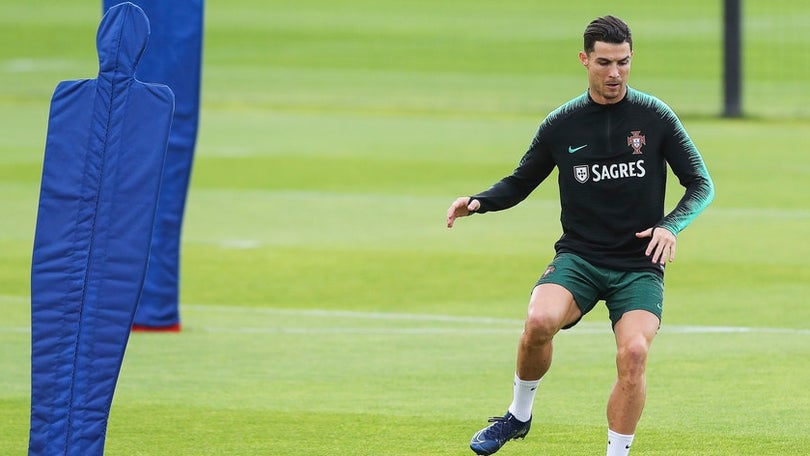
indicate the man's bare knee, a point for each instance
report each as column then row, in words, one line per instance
column 551, row 307
column 631, row 358
column 540, row 326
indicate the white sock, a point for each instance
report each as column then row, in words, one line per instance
column 619, row 444
column 523, row 398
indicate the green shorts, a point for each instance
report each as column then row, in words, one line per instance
column 622, row 291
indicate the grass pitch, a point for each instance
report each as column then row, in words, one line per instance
column 326, row 308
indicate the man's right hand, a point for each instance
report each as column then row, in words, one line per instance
column 461, row 207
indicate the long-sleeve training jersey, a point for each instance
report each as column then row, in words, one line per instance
column 612, row 162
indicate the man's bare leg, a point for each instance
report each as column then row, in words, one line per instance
column 551, row 307
column 634, row 334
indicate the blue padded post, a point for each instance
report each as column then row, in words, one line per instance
column 174, row 58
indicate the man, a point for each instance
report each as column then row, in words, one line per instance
column 611, row 146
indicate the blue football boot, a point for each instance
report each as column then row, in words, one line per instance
column 503, row 429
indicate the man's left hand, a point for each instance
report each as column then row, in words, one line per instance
column 662, row 244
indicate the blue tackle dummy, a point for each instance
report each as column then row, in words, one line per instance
column 104, row 154
column 174, row 58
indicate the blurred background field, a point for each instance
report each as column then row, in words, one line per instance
column 327, row 309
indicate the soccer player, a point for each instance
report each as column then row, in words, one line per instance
column 611, row 147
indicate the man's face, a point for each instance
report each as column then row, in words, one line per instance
column 608, row 67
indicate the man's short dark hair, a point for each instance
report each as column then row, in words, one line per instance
column 608, row 29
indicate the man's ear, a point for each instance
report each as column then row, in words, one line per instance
column 583, row 58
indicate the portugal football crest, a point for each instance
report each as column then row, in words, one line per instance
column 581, row 173
column 636, row 140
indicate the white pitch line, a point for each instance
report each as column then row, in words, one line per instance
column 585, row 327
column 512, row 325
column 354, row 331
column 354, row 314
column 581, row 329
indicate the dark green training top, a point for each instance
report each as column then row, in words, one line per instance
column 612, row 162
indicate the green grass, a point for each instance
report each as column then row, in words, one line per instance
column 326, row 308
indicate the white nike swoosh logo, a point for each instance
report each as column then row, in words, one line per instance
column 477, row 438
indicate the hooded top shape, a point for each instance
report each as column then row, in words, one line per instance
column 121, row 41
